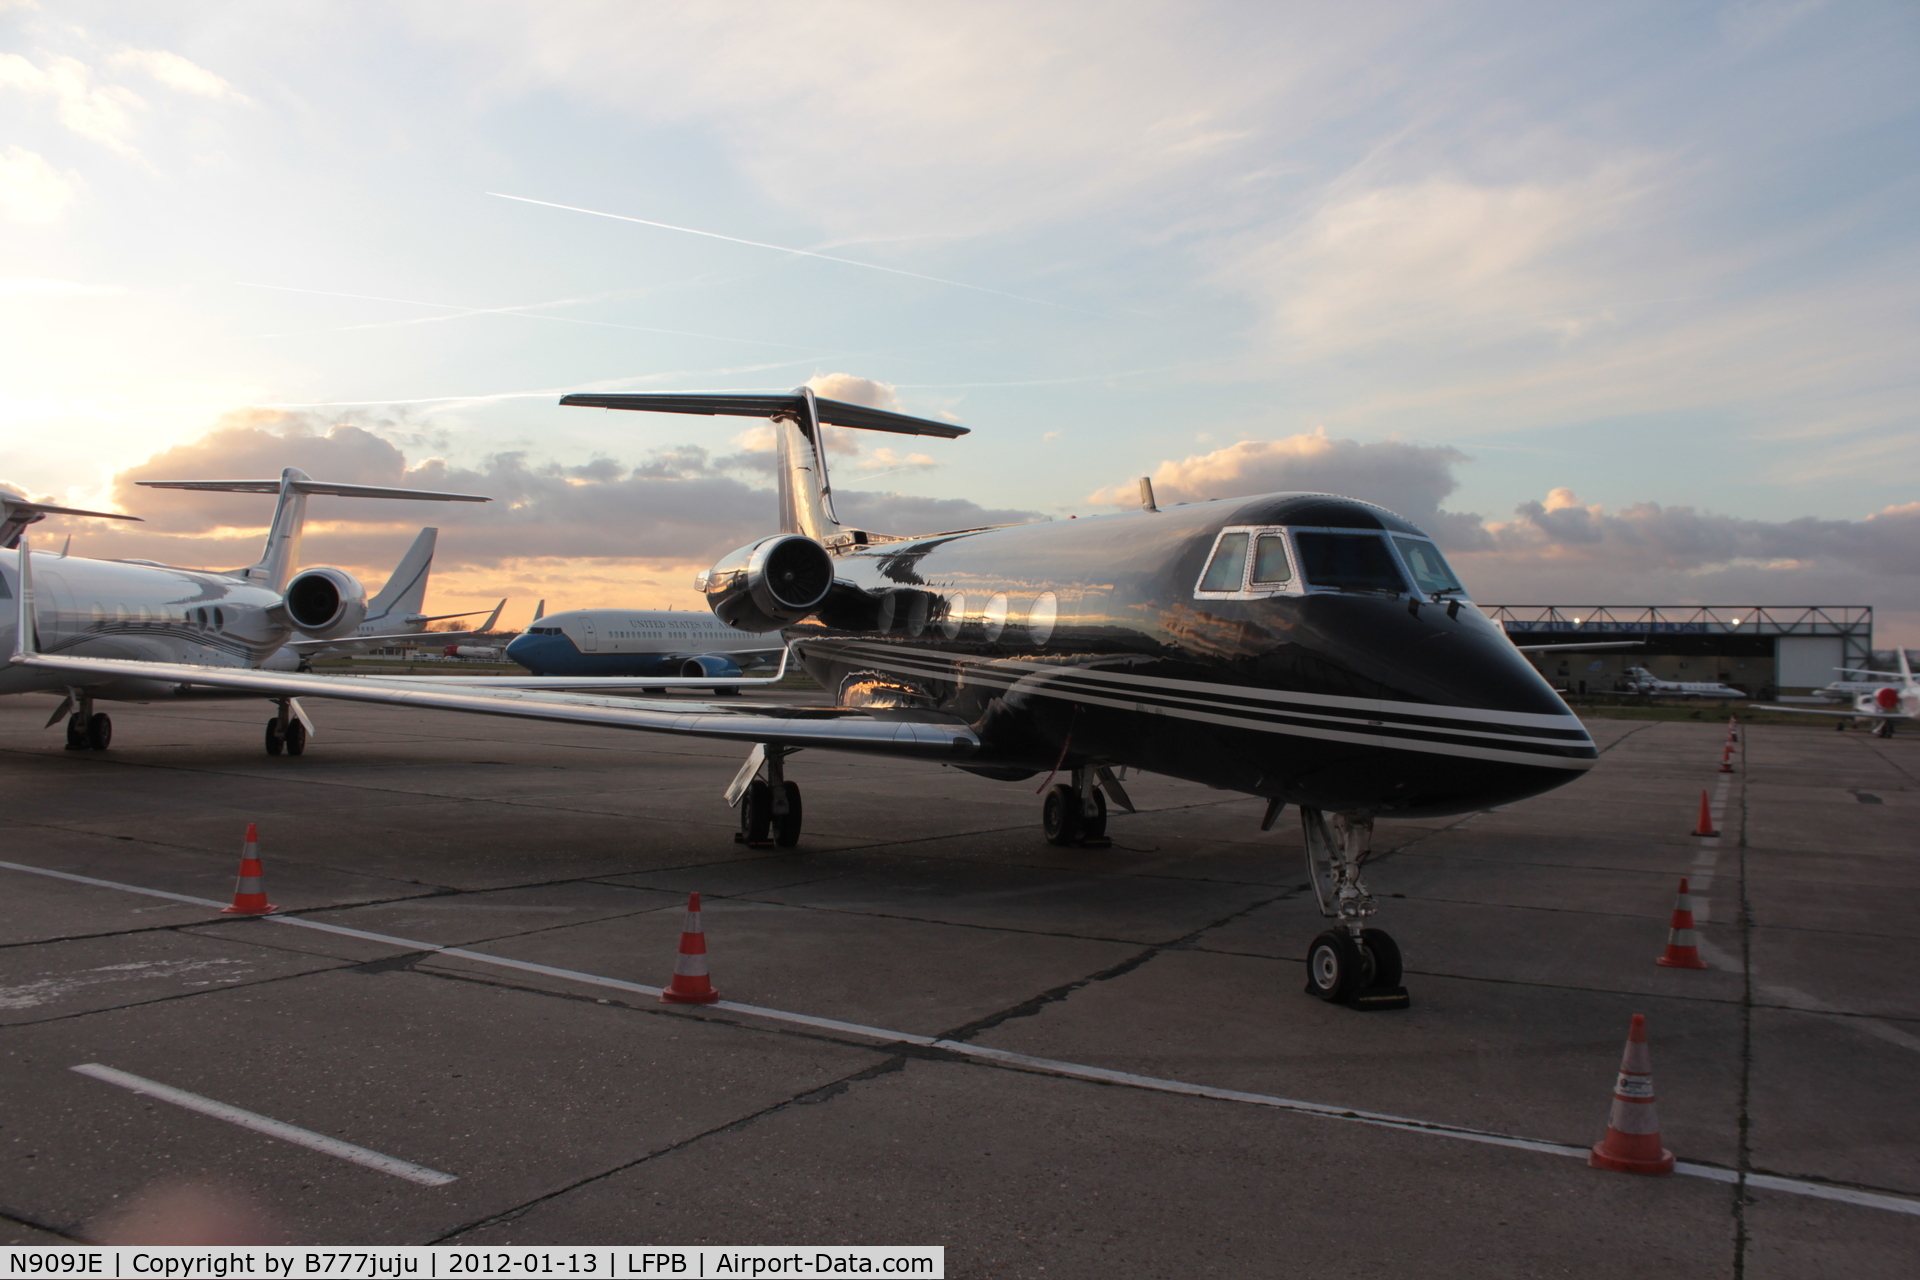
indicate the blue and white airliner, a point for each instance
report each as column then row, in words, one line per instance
column 641, row 642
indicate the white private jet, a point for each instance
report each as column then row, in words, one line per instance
column 1883, row 706
column 393, row 616
column 142, row 610
column 1641, row 680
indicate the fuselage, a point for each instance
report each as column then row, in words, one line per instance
column 148, row 612
column 1351, row 678
column 637, row 642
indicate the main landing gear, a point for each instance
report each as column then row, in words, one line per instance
column 769, row 805
column 1348, row 964
column 87, row 729
column 1076, row 812
column 286, row 731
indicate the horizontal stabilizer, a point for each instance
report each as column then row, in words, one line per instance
column 836, row 413
column 311, row 486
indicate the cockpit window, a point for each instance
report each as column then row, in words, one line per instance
column 1270, row 559
column 1228, row 569
column 1430, row 570
column 1349, row 561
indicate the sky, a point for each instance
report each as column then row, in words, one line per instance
column 1617, row 300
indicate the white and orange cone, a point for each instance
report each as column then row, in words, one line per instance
column 1632, row 1144
column 690, row 983
column 1733, row 729
column 1726, row 757
column 250, row 890
column 1683, row 943
column 1705, row 826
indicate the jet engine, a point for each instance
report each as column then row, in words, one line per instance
column 710, row 665
column 1887, row 699
column 326, row 603
column 765, row 585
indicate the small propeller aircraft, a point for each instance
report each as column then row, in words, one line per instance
column 1304, row 648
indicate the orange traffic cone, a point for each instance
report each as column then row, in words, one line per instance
column 1705, row 828
column 250, row 891
column 1632, row 1144
column 690, row 984
column 1726, row 757
column 1733, row 729
column 1683, row 944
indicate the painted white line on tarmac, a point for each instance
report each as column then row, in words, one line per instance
column 1054, row 1066
column 266, row 1124
column 1801, row 1002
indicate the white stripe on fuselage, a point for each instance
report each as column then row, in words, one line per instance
column 922, row 663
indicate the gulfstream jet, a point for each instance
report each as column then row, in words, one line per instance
column 116, row 610
column 393, row 616
column 1304, row 648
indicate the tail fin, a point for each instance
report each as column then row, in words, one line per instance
column 282, row 551
column 806, row 494
column 1906, row 672
column 540, row 610
column 406, row 591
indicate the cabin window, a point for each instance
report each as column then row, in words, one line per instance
column 219, row 618
column 1349, row 562
column 994, row 621
column 1227, row 571
column 1429, row 568
column 1270, row 560
column 1041, row 617
column 956, row 615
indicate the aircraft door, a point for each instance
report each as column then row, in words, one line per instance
column 589, row 642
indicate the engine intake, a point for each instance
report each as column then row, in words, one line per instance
column 768, row 584
column 326, row 603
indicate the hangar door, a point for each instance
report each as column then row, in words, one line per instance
column 1808, row 662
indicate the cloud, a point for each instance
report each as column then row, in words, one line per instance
column 175, row 72
column 31, row 190
column 101, row 113
column 850, row 389
column 1409, row 479
column 649, row 524
column 1384, row 264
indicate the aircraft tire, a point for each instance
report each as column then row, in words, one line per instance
column 1060, row 817
column 99, row 732
column 76, row 733
column 276, row 740
column 1334, row 967
column 296, row 738
column 756, row 813
column 1386, row 957
column 786, row 826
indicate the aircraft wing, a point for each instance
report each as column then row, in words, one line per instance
column 1604, row 644
column 919, row 735
column 360, row 644
column 1824, row 711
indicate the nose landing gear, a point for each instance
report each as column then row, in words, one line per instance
column 1348, row 964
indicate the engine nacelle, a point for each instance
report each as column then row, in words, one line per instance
column 710, row 665
column 326, row 603
column 1887, row 699
column 768, row 584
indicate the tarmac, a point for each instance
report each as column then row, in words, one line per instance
column 940, row 1029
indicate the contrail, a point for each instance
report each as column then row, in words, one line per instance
column 528, row 311
column 804, row 253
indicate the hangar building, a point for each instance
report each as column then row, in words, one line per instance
column 1766, row 651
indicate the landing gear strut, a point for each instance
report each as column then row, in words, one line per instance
column 286, row 731
column 1348, row 964
column 87, row 729
column 1076, row 812
column 769, row 805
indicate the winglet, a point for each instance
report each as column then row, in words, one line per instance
column 493, row 617
column 26, row 640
